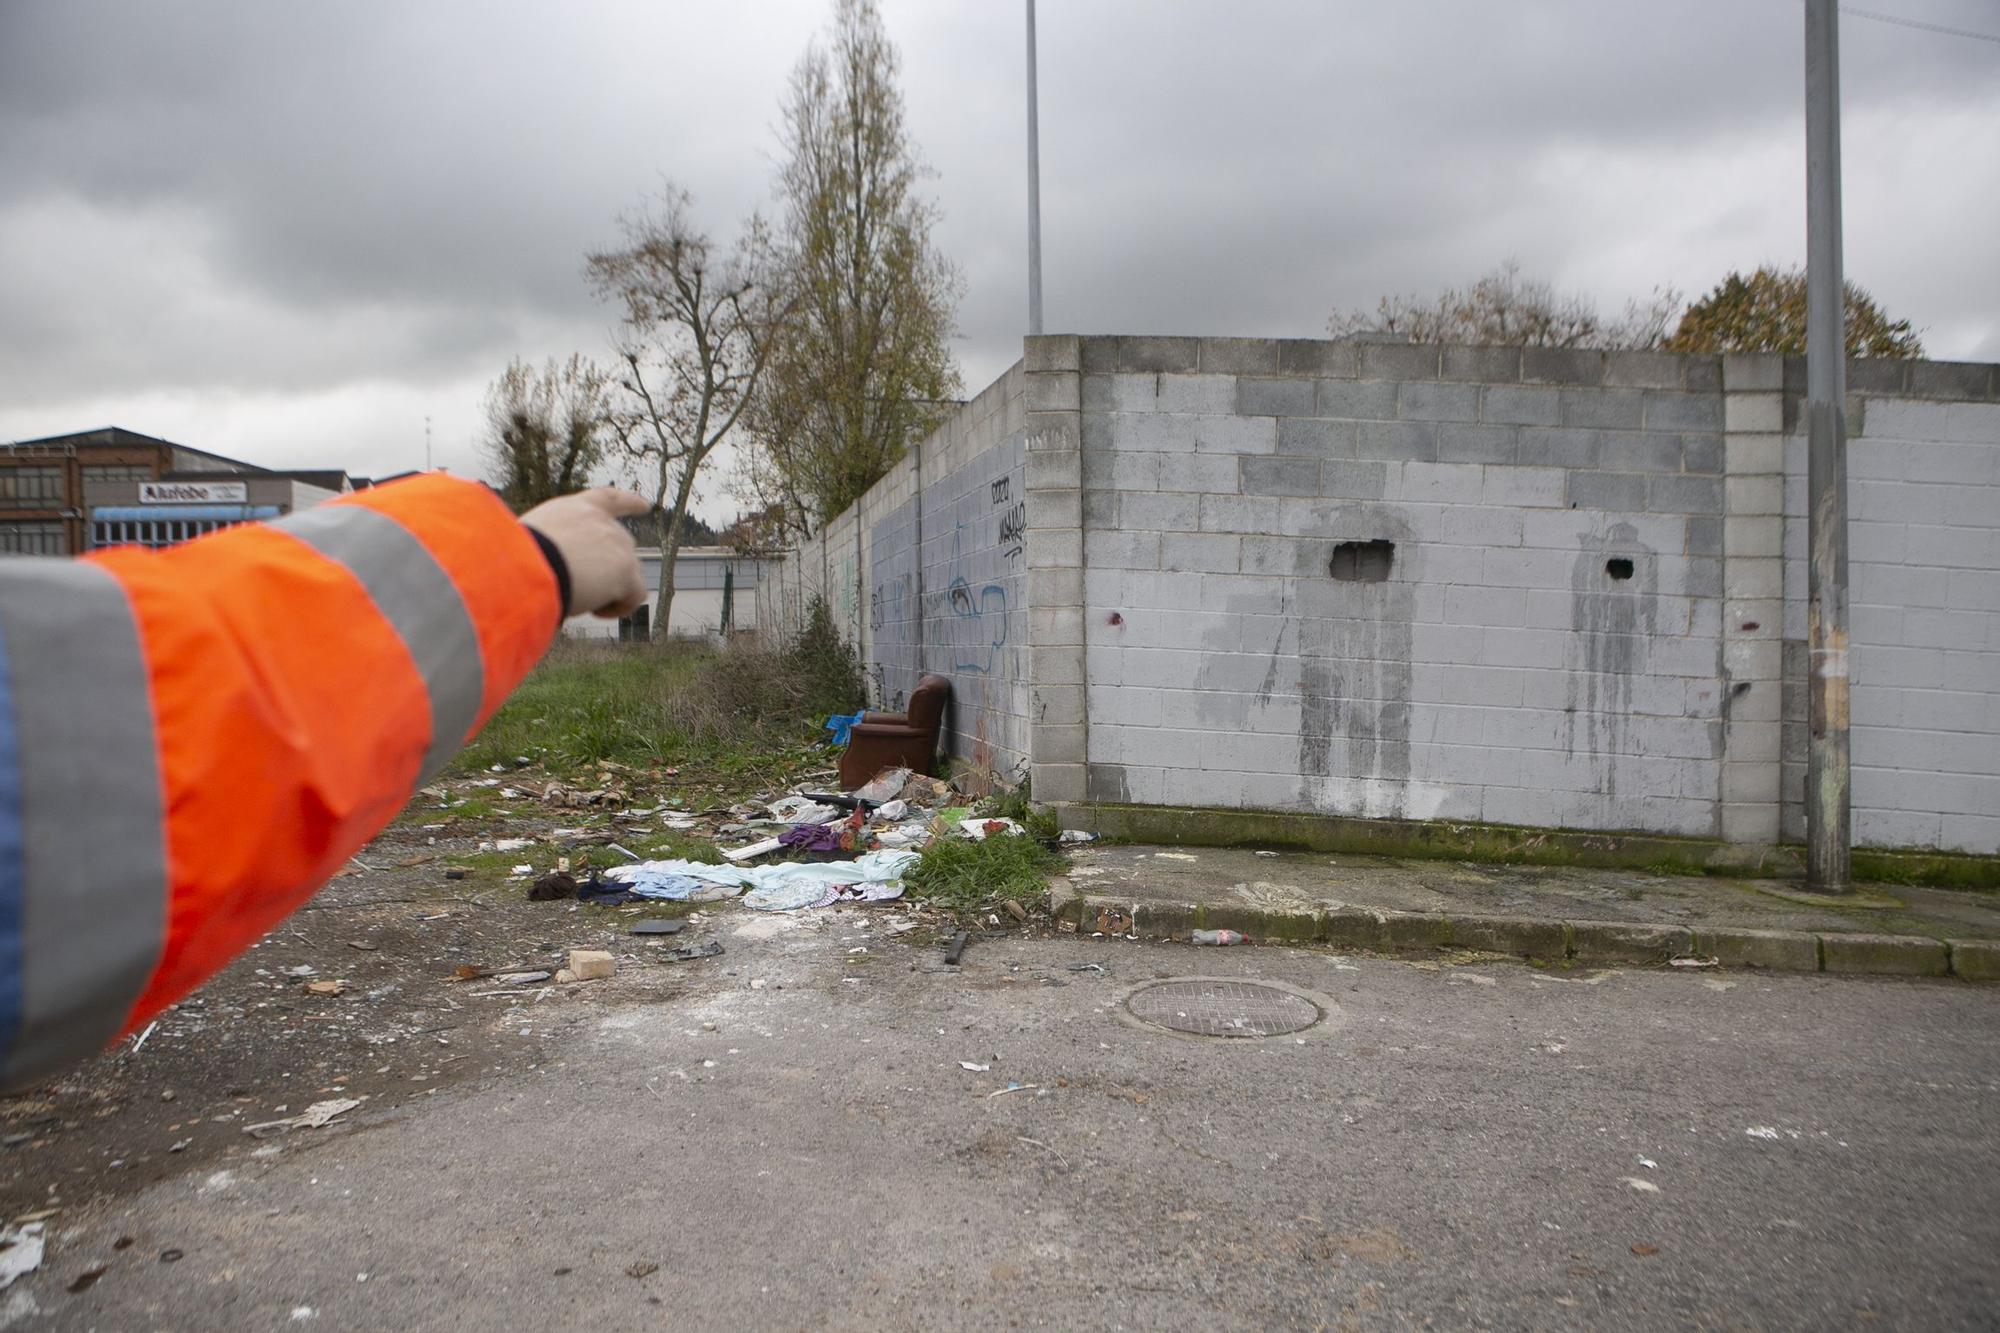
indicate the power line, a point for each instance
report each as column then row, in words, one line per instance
column 1902, row 22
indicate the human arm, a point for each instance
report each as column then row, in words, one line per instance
column 193, row 740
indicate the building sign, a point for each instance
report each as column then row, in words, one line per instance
column 193, row 492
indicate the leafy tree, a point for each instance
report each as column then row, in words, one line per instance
column 862, row 367
column 696, row 338
column 1766, row 312
column 546, row 429
column 1505, row 309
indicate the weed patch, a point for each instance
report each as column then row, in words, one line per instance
column 963, row 874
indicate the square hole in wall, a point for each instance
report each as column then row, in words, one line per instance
column 1618, row 567
column 1363, row 562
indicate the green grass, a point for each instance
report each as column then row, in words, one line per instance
column 963, row 874
column 726, row 716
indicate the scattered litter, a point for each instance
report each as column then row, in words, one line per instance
column 1098, row 968
column 591, row 964
column 507, row 845
column 172, row 1256
column 956, row 949
column 801, row 810
column 326, row 987
column 1645, row 1251
column 1015, row 910
column 363, row 945
column 979, row 830
column 302, row 970
column 551, row 887
column 1270, row 854
column 1174, row 856
column 884, row 786
column 1649, row 1164
column 641, row 1269
column 1762, row 1132
column 20, row 1252
column 840, row 725
column 601, row 894
column 658, row 926
column 787, row 883
column 625, row 852
column 977, row 1069
column 521, row 978
column 87, row 1279
column 522, row 871
column 1694, row 962
column 817, row 838
column 893, row 810
column 690, row 953
column 181, row 1145
column 1642, row 1186
column 1216, row 937
column 1072, row 836
column 785, row 897
column 316, row 1116
column 762, row 847
column 140, row 1040
column 454, row 874
column 575, row 798
column 1013, row 1087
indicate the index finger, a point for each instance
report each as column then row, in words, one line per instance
column 617, row 502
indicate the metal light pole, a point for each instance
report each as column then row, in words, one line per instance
column 1034, row 191
column 1828, row 814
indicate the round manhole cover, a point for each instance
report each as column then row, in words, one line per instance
column 1223, row 1008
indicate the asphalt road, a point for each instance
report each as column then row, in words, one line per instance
column 1483, row 1146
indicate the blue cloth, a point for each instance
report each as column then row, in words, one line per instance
column 840, row 726
column 672, row 888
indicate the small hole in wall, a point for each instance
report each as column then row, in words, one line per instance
column 1363, row 562
column 1618, row 567
column 1115, row 619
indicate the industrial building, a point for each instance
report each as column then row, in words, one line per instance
column 67, row 494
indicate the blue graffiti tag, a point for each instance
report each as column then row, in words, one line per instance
column 970, row 609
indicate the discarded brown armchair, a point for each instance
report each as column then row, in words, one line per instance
column 907, row 739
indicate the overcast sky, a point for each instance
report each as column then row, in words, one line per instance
column 292, row 232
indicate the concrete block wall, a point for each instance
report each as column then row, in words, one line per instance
column 927, row 573
column 1592, row 617
column 1503, row 671
column 1924, row 604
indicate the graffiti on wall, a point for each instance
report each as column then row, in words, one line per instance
column 1013, row 519
column 943, row 603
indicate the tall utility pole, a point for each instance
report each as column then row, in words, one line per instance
column 1828, row 816
column 427, row 444
column 1034, row 190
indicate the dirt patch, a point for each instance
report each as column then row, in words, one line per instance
column 257, row 1043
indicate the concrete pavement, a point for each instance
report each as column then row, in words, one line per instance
column 1482, row 1146
column 1556, row 915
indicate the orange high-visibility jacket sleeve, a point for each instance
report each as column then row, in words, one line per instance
column 193, row 741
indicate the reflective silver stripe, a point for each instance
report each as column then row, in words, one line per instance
column 93, row 834
column 420, row 600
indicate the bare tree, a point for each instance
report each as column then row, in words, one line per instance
column 1505, row 309
column 546, row 429
column 695, row 340
column 863, row 367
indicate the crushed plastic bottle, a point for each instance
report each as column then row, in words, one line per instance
column 1216, row 937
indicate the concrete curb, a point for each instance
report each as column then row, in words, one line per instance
column 1588, row 942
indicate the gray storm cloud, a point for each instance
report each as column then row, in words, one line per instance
column 298, row 230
